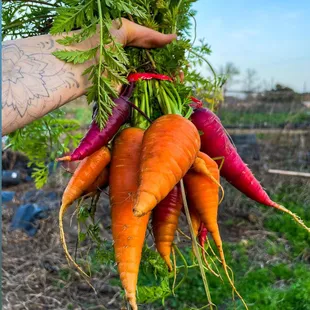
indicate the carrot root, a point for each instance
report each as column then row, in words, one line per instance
column 296, row 218
column 64, row 245
column 222, row 257
column 167, row 260
column 132, row 301
column 207, row 264
column 65, row 158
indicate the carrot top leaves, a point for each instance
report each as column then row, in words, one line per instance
column 44, row 140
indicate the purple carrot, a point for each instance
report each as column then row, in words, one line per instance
column 202, row 236
column 215, row 143
column 96, row 138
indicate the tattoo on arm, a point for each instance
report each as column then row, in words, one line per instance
column 34, row 82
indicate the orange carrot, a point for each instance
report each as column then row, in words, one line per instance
column 128, row 231
column 100, row 183
column 169, row 148
column 203, row 195
column 201, row 233
column 83, row 177
column 165, row 223
column 200, row 166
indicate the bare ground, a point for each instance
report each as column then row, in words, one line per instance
column 35, row 273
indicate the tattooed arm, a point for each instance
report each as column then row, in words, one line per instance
column 34, row 82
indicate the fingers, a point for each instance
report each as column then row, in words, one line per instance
column 139, row 36
column 152, row 39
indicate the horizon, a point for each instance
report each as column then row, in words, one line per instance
column 268, row 37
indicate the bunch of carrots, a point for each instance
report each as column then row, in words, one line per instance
column 160, row 154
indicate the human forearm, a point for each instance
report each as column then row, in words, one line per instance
column 35, row 82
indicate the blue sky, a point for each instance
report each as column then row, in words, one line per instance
column 272, row 37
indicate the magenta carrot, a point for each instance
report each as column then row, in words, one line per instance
column 215, row 143
column 202, row 236
column 96, row 138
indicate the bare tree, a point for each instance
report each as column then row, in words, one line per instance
column 230, row 71
column 251, row 81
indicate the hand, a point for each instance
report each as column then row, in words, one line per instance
column 132, row 34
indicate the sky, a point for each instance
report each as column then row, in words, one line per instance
column 270, row 36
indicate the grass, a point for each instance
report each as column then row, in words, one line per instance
column 262, row 119
column 280, row 280
column 79, row 110
column 271, row 268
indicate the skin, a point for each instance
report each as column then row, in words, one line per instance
column 34, row 82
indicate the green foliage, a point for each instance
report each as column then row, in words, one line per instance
column 24, row 18
column 43, row 141
column 73, row 15
column 82, row 114
column 181, row 55
column 153, row 283
column 85, row 33
column 85, row 16
column 282, row 283
column 76, row 57
column 96, row 16
column 149, row 294
column 295, row 199
column 262, row 119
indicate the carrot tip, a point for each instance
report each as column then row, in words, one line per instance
column 137, row 213
column 166, row 258
column 65, row 158
column 293, row 215
column 132, row 300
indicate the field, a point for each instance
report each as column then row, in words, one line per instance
column 268, row 252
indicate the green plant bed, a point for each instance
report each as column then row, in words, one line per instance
column 230, row 118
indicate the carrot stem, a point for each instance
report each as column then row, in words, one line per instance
column 185, row 266
column 140, row 111
column 174, row 271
